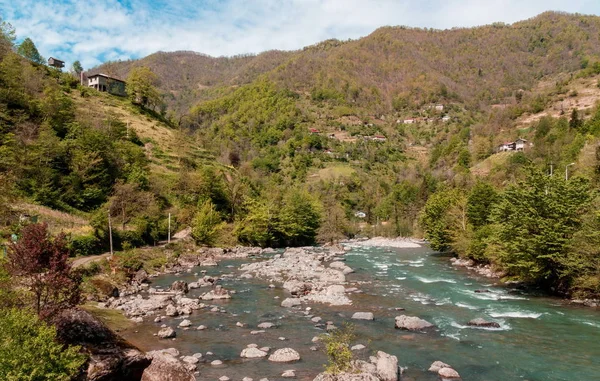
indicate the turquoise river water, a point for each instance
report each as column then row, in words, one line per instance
column 540, row 339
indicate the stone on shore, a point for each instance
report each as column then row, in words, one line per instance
column 289, row 373
column 171, row 310
column 357, row 347
column 363, row 316
column 284, row 355
column 387, row 366
column 346, row 377
column 185, row 323
column 479, row 322
column 266, row 325
column 412, row 323
column 166, row 333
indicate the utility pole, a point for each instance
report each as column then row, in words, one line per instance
column 110, row 234
column 169, row 237
column 567, row 171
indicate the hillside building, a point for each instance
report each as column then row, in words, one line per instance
column 55, row 62
column 105, row 83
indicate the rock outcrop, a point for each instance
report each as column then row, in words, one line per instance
column 363, row 316
column 111, row 357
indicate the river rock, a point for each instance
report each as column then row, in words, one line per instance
column 437, row 365
column 216, row 362
column 346, row 377
column 165, row 367
column 217, row 293
column 180, row 287
column 332, row 276
column 166, row 333
column 224, row 378
column 140, row 277
column 357, row 347
column 185, row 323
column 387, row 366
column 171, row 310
column 289, row 373
column 266, row 325
column 363, row 316
column 479, row 322
column 252, row 353
column 448, row 373
column 284, row 355
column 190, row 359
column 412, row 323
column 296, row 287
column 291, row 302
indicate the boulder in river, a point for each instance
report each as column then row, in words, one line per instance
column 165, row 367
column 166, row 333
column 171, row 310
column 346, row 377
column 216, row 293
column 448, row 373
column 180, row 286
column 252, row 353
column 266, row 325
column 363, row 316
column 290, row 302
column 284, row 355
column 412, row 323
column 437, row 365
column 479, row 322
column 296, row 287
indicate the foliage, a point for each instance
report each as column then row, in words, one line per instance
column 435, row 219
column 28, row 50
column 141, row 88
column 38, row 263
column 535, row 221
column 84, row 245
column 337, row 349
column 77, row 68
column 206, row 224
column 29, row 351
column 482, row 197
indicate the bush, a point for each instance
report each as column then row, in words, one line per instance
column 206, row 224
column 337, row 348
column 28, row 350
column 85, row 245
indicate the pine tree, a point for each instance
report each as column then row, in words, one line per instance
column 28, row 50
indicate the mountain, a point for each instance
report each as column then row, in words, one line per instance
column 476, row 66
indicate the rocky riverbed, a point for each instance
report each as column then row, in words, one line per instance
column 258, row 316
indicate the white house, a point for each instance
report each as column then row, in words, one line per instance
column 409, row 121
column 360, row 214
column 520, row 144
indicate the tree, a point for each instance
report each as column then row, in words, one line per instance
column 28, row 50
column 435, row 218
column 337, row 347
column 39, row 265
column 575, row 122
column 335, row 225
column 7, row 36
column 77, row 68
column 206, row 224
column 141, row 88
column 535, row 223
column 298, row 219
column 29, row 351
column 479, row 203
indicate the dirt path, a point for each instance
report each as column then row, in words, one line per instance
column 82, row 261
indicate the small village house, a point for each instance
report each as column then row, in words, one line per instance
column 314, row 131
column 55, row 62
column 518, row 145
column 105, row 83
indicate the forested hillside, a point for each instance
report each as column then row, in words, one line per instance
column 397, row 133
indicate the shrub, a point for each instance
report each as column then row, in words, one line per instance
column 206, row 224
column 84, row 245
column 29, row 351
column 337, row 348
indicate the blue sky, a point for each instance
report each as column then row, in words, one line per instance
column 94, row 31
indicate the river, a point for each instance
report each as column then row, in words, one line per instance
column 540, row 339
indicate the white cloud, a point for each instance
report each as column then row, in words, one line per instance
column 97, row 30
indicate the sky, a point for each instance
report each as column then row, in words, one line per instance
column 95, row 31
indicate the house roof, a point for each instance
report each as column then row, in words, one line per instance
column 56, row 60
column 105, row 76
